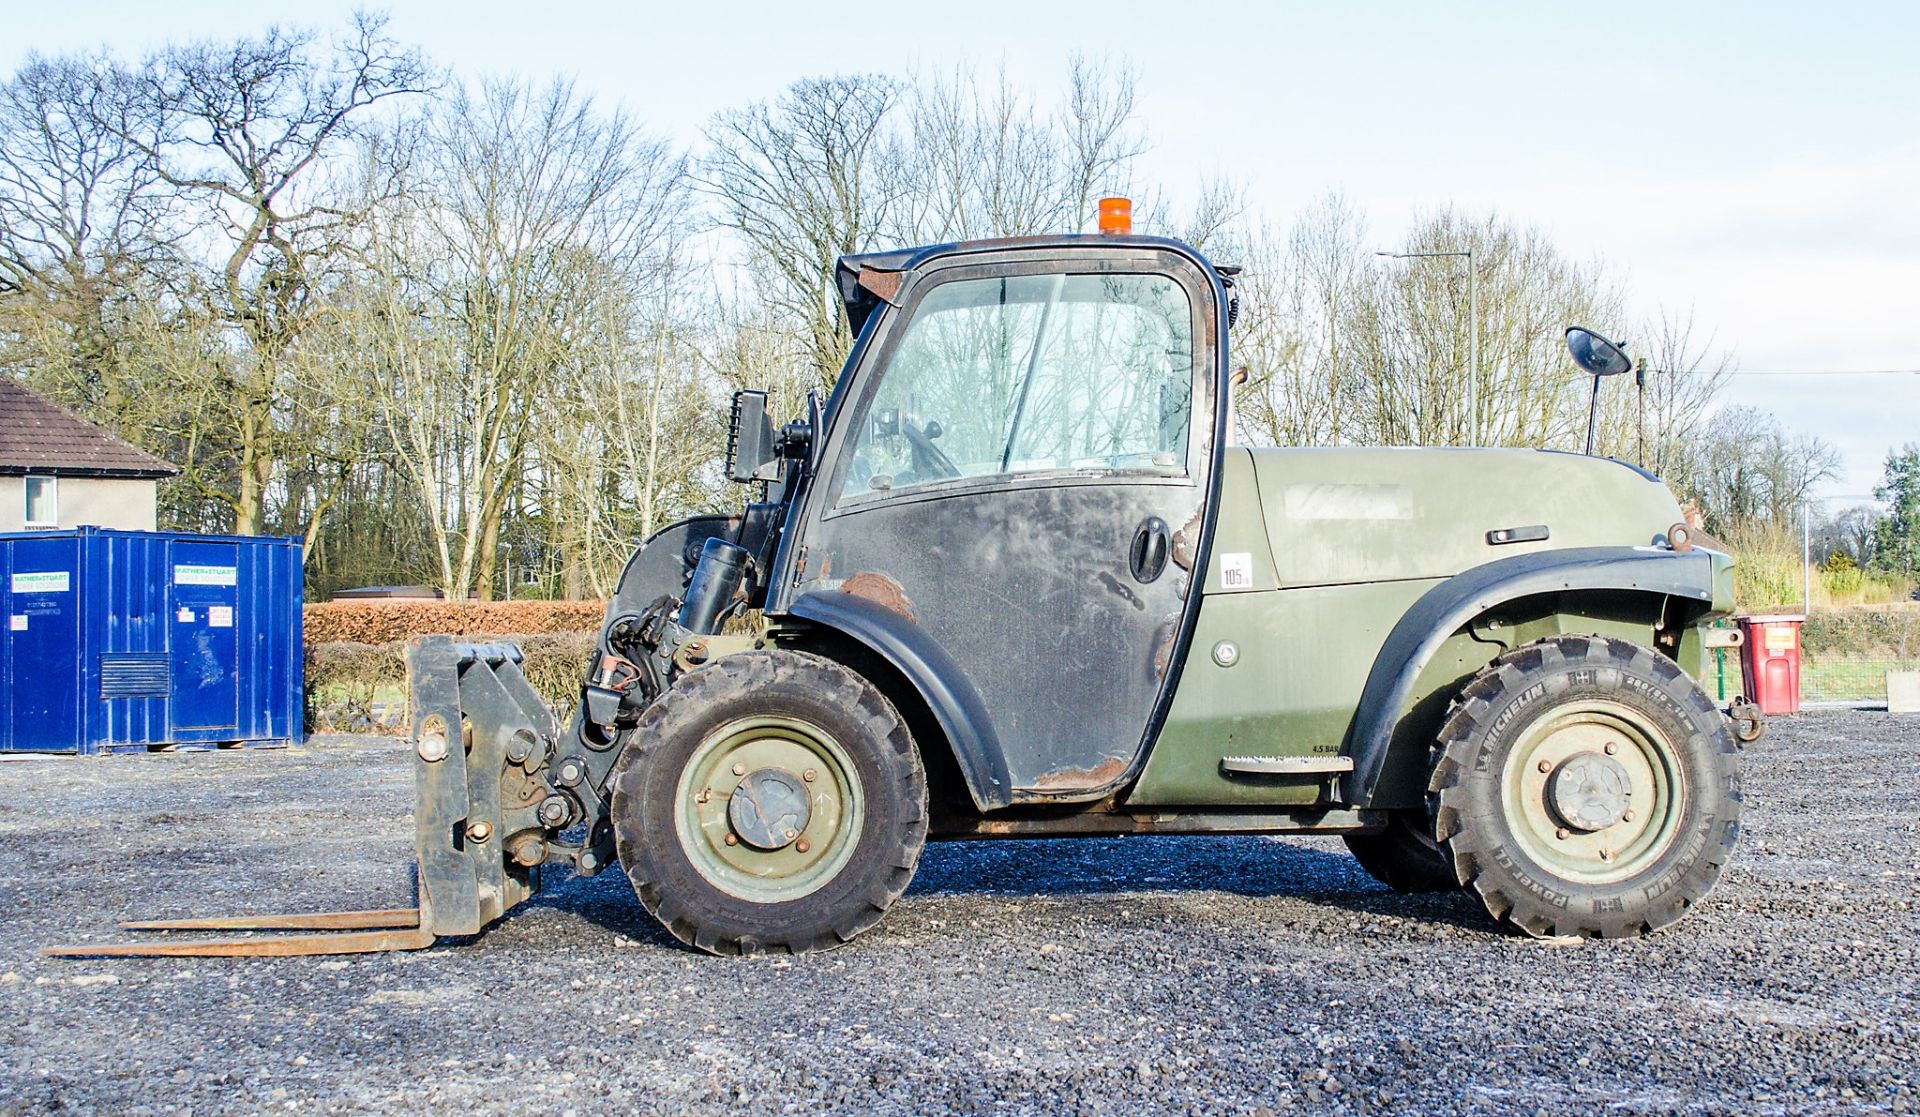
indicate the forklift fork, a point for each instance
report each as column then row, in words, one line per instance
column 482, row 739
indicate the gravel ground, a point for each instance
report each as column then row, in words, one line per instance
column 1242, row 975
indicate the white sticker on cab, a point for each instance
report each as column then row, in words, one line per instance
column 1236, row 570
column 219, row 616
column 17, row 622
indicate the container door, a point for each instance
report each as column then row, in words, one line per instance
column 202, row 645
column 40, row 699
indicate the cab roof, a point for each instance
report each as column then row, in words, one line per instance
column 867, row 279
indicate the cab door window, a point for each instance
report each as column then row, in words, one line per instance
column 1031, row 374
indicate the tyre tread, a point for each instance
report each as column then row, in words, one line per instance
column 1453, row 809
column 678, row 710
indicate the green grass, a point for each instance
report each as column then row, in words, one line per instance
column 1848, row 679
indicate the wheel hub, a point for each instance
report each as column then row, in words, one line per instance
column 769, row 809
column 1590, row 791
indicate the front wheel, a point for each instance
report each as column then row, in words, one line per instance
column 772, row 801
column 1585, row 786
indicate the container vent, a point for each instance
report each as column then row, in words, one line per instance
column 133, row 676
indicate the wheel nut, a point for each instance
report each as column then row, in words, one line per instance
column 1545, row 766
column 803, row 845
column 1612, row 748
column 739, row 769
column 809, row 775
column 1562, row 833
column 1626, row 816
column 732, row 841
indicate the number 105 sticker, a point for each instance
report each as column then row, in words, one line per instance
column 1236, row 571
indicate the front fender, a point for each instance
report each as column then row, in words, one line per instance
column 939, row 679
column 1442, row 610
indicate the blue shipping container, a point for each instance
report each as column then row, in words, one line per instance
column 134, row 639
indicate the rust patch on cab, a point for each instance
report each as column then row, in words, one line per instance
column 882, row 591
column 1082, row 779
column 1186, row 541
column 885, row 284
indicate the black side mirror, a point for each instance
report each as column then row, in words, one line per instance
column 1598, row 357
column 1596, row 354
column 751, row 453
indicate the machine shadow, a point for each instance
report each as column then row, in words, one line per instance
column 1245, row 865
column 1249, row 866
column 607, row 901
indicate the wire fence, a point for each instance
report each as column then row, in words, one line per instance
column 1824, row 676
column 1829, row 677
column 1845, row 653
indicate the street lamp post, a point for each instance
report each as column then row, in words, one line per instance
column 1473, row 333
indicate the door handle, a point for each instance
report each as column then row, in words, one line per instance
column 1147, row 557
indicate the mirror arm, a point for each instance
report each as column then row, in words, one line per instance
column 1593, row 413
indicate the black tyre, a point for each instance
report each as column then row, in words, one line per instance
column 771, row 801
column 1585, row 786
column 1404, row 856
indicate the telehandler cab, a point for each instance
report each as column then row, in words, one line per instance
column 1013, row 579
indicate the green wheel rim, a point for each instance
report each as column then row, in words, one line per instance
column 717, row 769
column 1631, row 750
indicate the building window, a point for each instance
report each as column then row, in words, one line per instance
column 43, row 502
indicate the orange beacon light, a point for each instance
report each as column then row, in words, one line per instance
column 1116, row 216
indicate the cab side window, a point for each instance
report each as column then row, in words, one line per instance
column 1032, row 374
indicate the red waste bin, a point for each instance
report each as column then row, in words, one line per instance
column 1770, row 660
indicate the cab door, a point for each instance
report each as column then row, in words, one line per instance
column 1018, row 473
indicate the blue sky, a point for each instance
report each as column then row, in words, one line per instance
column 1758, row 163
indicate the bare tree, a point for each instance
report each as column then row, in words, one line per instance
column 80, row 230
column 247, row 131
column 1526, row 391
column 1683, row 378
column 630, row 426
column 1303, row 305
column 1851, row 533
column 977, row 157
column 800, row 180
column 532, row 211
column 1750, row 472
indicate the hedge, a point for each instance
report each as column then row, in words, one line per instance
column 383, row 622
column 1886, row 631
column 354, row 687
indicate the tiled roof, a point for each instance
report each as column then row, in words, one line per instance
column 39, row 436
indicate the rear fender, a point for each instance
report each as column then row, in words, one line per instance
column 940, row 681
column 1689, row 576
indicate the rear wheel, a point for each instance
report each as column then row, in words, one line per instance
column 771, row 801
column 1404, row 856
column 1585, row 786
